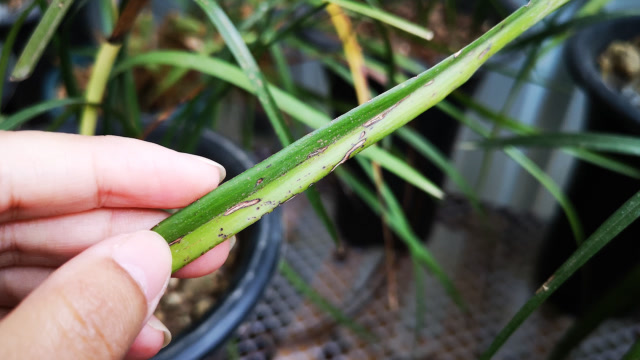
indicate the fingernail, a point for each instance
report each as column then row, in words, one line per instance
column 147, row 258
column 221, row 169
column 158, row 325
column 232, row 242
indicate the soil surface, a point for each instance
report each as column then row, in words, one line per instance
column 620, row 67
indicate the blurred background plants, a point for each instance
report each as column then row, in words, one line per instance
column 329, row 56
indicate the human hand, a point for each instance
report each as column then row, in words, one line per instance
column 80, row 274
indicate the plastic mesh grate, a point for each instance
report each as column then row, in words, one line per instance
column 490, row 262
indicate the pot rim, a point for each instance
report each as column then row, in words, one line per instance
column 582, row 52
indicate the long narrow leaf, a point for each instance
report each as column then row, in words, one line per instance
column 289, row 104
column 40, row 39
column 526, row 163
column 400, row 226
column 243, row 56
column 560, row 32
column 429, row 151
column 301, row 285
column 523, row 129
column 385, row 17
column 400, row 168
column 620, row 298
column 619, row 144
column 620, row 219
column 9, row 41
column 29, row 113
column 523, row 73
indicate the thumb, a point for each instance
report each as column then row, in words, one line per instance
column 95, row 305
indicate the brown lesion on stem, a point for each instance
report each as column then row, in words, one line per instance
column 317, row 152
column 485, row 51
column 545, row 286
column 346, row 157
column 383, row 114
column 241, row 205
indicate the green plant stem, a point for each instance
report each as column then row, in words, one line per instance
column 245, row 199
column 97, row 84
column 40, row 38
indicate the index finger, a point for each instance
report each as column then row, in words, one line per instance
column 48, row 174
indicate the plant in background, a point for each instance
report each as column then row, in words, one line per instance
column 244, row 199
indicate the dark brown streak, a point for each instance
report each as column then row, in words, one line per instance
column 384, row 114
column 241, row 205
column 317, row 152
column 485, row 51
column 348, row 154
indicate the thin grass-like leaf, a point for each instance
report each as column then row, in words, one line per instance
column 40, row 39
column 260, row 11
column 260, row 86
column 9, row 41
column 526, row 163
column 19, row 118
column 561, row 86
column 243, row 56
column 303, row 287
column 619, row 144
column 617, row 222
column 108, row 15
column 289, row 104
column 385, row 17
column 523, row 73
column 284, row 70
column 399, row 224
column 291, row 27
column 523, row 129
column 400, row 168
column 620, row 298
column 564, row 30
column 429, row 151
column 389, row 56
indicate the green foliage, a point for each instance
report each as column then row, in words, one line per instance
column 262, row 42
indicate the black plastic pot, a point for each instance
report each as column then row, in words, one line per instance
column 258, row 255
column 595, row 192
